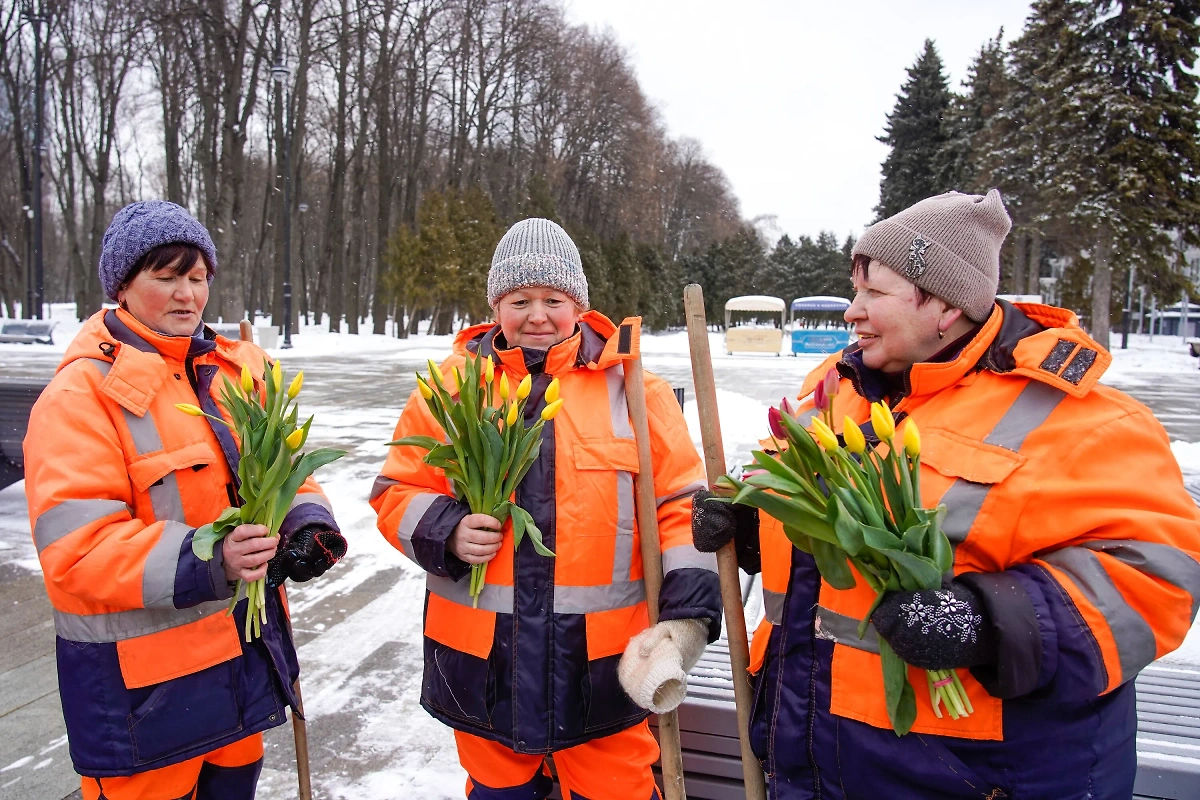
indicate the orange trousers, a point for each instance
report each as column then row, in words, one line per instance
column 615, row 767
column 228, row 773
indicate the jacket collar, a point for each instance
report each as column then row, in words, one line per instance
column 596, row 344
column 128, row 330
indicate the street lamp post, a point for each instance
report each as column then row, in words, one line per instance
column 35, row 272
column 280, row 74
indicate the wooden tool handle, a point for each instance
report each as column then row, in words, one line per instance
column 647, row 518
column 727, row 567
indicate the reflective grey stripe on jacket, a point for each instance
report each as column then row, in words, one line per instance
column 314, row 498
column 842, row 629
column 117, row 626
column 773, row 606
column 71, row 515
column 686, row 556
column 413, row 512
column 567, row 599
column 618, row 409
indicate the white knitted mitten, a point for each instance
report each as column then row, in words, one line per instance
column 653, row 670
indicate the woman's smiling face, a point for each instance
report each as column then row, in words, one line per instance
column 895, row 328
column 537, row 317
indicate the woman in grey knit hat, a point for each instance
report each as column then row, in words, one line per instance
column 558, row 655
column 1076, row 545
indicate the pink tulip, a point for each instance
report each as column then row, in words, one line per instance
column 774, row 418
column 820, row 399
column 750, row 473
column 832, row 381
column 786, row 407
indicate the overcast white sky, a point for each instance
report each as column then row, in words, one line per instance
column 787, row 96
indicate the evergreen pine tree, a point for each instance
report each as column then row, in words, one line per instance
column 916, row 134
column 986, row 86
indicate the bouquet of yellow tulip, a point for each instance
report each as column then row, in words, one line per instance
column 489, row 449
column 271, row 469
column 854, row 506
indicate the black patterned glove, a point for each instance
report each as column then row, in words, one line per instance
column 937, row 628
column 714, row 523
column 307, row 554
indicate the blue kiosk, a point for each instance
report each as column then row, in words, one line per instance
column 817, row 324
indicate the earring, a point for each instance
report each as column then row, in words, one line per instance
column 941, row 334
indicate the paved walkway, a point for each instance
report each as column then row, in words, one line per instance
column 356, row 399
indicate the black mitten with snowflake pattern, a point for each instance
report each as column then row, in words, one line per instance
column 937, row 628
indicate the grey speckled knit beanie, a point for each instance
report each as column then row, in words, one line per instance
column 536, row 252
column 140, row 227
column 948, row 245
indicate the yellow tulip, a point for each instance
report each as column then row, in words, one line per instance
column 489, row 369
column 190, row 409
column 825, row 436
column 277, row 375
column 552, row 409
column 855, row 441
column 424, row 389
column 503, row 386
column 295, row 439
column 247, row 380
column 512, row 415
column 912, row 439
column 883, row 422
column 297, row 382
column 524, row 387
column 552, row 392
column 457, row 379
column 434, row 372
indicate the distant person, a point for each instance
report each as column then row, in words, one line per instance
column 162, row 697
column 1076, row 545
column 537, row 668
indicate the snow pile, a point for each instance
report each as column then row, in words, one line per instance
column 1188, row 456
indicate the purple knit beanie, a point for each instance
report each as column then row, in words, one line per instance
column 140, row 227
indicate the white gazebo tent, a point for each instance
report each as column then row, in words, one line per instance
column 754, row 339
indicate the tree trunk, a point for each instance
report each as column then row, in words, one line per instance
column 1101, row 287
column 1035, row 262
column 335, row 247
column 1020, row 257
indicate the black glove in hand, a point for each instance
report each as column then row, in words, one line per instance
column 937, row 628
column 305, row 555
column 714, row 523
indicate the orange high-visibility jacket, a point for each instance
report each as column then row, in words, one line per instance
column 534, row 666
column 151, row 669
column 1044, row 470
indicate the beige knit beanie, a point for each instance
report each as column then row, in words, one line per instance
column 948, row 245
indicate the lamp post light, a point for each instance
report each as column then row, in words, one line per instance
column 35, row 281
column 280, row 74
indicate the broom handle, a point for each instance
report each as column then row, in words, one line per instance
column 299, row 727
column 727, row 567
column 647, row 519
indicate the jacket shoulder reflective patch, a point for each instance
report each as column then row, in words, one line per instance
column 144, row 471
column 957, row 456
column 1064, row 358
column 134, row 379
column 624, row 344
column 607, row 452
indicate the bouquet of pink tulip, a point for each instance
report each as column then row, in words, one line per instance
column 856, row 509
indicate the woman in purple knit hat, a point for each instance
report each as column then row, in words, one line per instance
column 161, row 696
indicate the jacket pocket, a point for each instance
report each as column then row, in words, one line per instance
column 956, row 456
column 606, row 706
column 184, row 714
column 460, row 677
column 175, row 652
column 145, row 471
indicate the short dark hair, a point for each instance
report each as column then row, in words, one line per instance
column 861, row 265
column 178, row 256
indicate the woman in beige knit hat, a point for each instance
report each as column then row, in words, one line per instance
column 1076, row 545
